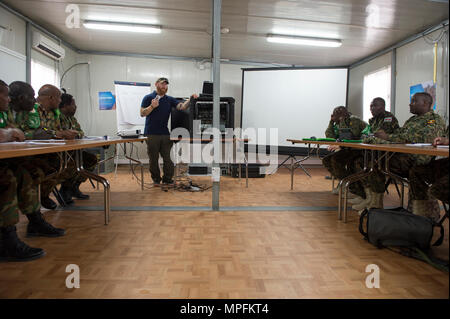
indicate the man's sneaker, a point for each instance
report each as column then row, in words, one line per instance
column 13, row 249
column 38, row 227
column 46, row 202
column 156, row 184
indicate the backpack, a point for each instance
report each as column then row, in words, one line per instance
column 402, row 229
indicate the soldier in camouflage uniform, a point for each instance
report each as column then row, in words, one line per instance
column 374, row 184
column 435, row 174
column 43, row 122
column 341, row 161
column 423, row 127
column 70, row 188
column 19, row 180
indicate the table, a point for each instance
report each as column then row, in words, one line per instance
column 383, row 150
column 12, row 150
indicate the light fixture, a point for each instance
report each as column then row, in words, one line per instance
column 288, row 39
column 121, row 26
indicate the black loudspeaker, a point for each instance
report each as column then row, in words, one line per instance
column 253, row 171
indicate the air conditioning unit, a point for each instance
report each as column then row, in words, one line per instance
column 48, row 47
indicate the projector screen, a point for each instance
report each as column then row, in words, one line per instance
column 298, row 102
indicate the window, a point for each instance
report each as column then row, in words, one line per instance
column 376, row 84
column 43, row 74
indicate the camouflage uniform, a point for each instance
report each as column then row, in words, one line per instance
column 417, row 129
column 71, row 123
column 19, row 182
column 388, row 123
column 342, row 163
column 89, row 160
column 44, row 124
column 434, row 173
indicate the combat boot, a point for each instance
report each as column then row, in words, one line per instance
column 39, row 227
column 77, row 193
column 376, row 200
column 13, row 249
column 66, row 194
column 356, row 200
column 426, row 208
column 48, row 203
column 364, row 203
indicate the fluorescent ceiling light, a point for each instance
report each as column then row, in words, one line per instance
column 321, row 42
column 120, row 26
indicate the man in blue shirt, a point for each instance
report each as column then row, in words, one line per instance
column 156, row 107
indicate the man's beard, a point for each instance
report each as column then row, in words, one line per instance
column 161, row 91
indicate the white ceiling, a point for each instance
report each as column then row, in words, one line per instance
column 364, row 26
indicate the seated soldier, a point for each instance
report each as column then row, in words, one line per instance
column 70, row 188
column 43, row 122
column 374, row 184
column 423, row 127
column 431, row 179
column 19, row 180
column 341, row 162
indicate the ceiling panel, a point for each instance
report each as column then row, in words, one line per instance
column 364, row 26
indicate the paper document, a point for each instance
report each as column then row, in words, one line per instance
column 45, row 143
column 94, row 138
column 419, row 144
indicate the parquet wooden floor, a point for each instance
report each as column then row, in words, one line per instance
column 226, row 254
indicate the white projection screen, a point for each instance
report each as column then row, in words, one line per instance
column 298, row 102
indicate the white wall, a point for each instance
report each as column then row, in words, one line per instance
column 414, row 65
column 356, row 82
column 14, row 37
column 185, row 78
column 12, row 47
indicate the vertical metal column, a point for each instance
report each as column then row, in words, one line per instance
column 216, row 21
column 28, row 43
column 393, row 79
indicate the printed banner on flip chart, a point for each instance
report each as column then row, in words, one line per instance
column 129, row 97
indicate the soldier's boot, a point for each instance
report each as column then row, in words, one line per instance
column 376, row 200
column 77, row 193
column 37, row 226
column 48, row 203
column 356, row 200
column 425, row 207
column 66, row 194
column 13, row 249
column 419, row 207
column 364, row 203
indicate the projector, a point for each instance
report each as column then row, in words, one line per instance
column 129, row 133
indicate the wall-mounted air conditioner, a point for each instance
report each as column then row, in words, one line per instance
column 48, row 47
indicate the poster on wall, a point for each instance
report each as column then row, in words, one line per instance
column 428, row 87
column 106, row 101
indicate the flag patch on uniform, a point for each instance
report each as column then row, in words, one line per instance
column 388, row 119
column 431, row 122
